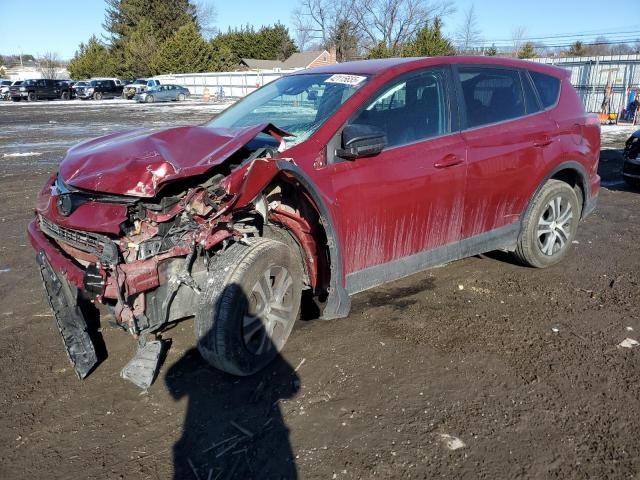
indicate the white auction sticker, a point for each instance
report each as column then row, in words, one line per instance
column 352, row 80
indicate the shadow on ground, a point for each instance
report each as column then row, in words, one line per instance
column 234, row 427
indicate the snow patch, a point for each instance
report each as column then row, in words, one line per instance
column 628, row 343
column 22, row 154
column 451, row 442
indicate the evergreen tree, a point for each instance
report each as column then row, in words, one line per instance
column 268, row 43
column 185, row 52
column 139, row 50
column 91, row 60
column 430, row 42
column 165, row 16
column 492, row 51
column 527, row 51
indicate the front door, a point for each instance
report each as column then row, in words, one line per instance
column 401, row 210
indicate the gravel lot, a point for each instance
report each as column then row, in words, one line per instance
column 480, row 369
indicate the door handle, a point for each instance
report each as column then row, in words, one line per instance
column 543, row 142
column 448, row 161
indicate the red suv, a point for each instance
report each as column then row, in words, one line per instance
column 328, row 181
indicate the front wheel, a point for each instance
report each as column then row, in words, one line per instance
column 150, row 99
column 549, row 226
column 97, row 96
column 181, row 97
column 32, row 97
column 64, row 96
column 249, row 306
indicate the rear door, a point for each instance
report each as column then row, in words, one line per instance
column 506, row 133
column 409, row 198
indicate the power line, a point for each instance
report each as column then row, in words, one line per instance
column 585, row 33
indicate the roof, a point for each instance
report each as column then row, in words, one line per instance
column 297, row 60
column 257, row 64
column 302, row 59
column 379, row 66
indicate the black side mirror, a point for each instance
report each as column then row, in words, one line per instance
column 361, row 141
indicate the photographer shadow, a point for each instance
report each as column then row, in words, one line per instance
column 234, row 427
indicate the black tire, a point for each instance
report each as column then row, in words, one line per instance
column 16, row 99
column 181, row 97
column 150, row 99
column 64, row 96
column 97, row 96
column 230, row 303
column 32, row 97
column 537, row 248
column 632, row 182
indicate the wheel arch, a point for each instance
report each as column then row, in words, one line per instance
column 572, row 173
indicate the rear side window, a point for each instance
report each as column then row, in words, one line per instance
column 491, row 95
column 548, row 88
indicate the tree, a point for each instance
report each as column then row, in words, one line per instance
column 207, row 14
column 138, row 52
column 492, row 51
column 268, row 43
column 395, row 23
column 317, row 20
column 166, row 17
column 468, row 35
column 527, row 50
column 49, row 65
column 600, row 46
column 577, row 50
column 345, row 39
column 430, row 42
column 517, row 38
column 185, row 52
column 91, row 60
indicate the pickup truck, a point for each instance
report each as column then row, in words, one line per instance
column 38, row 89
column 99, row 89
column 139, row 86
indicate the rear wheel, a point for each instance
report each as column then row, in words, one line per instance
column 249, row 306
column 64, row 96
column 549, row 226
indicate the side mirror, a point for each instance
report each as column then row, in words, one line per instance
column 361, row 141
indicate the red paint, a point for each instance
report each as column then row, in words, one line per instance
column 403, row 201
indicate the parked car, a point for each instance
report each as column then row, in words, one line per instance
column 4, row 89
column 66, row 89
column 397, row 166
column 39, row 89
column 77, row 85
column 99, row 89
column 631, row 163
column 163, row 93
column 139, row 86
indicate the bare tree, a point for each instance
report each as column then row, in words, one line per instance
column 469, row 34
column 395, row 22
column 49, row 64
column 316, row 20
column 207, row 15
column 517, row 38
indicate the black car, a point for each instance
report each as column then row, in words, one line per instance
column 631, row 165
column 39, row 89
column 99, row 89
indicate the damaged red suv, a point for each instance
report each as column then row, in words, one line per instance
column 332, row 181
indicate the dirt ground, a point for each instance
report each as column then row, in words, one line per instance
column 479, row 369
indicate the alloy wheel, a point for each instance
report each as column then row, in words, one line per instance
column 555, row 226
column 271, row 312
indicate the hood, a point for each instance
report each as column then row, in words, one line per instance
column 137, row 163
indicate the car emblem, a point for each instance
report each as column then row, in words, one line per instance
column 64, row 204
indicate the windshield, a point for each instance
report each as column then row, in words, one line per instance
column 298, row 104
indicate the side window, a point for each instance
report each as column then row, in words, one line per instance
column 491, row 94
column 530, row 100
column 548, row 88
column 413, row 108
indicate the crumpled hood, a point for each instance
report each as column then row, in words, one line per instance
column 138, row 162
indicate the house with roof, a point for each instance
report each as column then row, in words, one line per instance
column 297, row 61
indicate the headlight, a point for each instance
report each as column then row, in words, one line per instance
column 23, row 89
column 90, row 91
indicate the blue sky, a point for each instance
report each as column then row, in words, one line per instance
column 42, row 27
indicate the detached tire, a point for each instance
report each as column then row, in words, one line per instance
column 249, row 305
column 549, row 226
